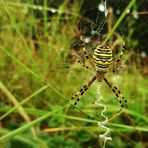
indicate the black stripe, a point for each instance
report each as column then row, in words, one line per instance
column 103, row 47
column 103, row 51
column 102, row 66
column 103, row 57
column 102, row 60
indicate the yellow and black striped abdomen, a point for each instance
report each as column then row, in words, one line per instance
column 102, row 58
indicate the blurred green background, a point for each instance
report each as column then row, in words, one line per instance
column 38, row 71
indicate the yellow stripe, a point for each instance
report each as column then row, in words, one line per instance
column 99, row 59
column 107, row 55
column 103, row 60
column 103, row 63
column 102, row 52
column 84, row 48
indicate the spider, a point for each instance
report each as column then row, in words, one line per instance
column 101, row 62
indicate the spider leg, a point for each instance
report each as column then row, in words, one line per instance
column 117, row 62
column 84, row 50
column 80, row 62
column 121, row 54
column 83, row 89
column 85, row 53
column 83, row 64
column 119, row 95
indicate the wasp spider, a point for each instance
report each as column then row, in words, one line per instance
column 101, row 62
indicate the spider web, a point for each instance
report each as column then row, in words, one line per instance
column 92, row 24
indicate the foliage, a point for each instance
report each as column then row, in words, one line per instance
column 38, row 72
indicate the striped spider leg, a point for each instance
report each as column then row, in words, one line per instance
column 85, row 53
column 80, row 62
column 121, row 54
column 76, row 48
column 119, row 95
column 117, row 62
column 77, row 96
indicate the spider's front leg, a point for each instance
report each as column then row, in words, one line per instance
column 117, row 64
column 77, row 52
column 78, row 95
column 86, row 55
column 80, row 62
column 121, row 54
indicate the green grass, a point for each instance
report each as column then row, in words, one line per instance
column 38, row 73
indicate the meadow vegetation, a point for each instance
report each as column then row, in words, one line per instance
column 38, row 72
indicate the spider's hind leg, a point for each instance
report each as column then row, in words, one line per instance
column 119, row 95
column 77, row 96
